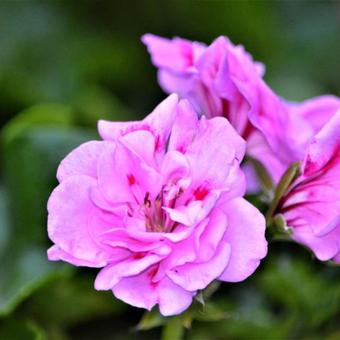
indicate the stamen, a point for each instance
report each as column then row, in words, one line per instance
column 156, row 219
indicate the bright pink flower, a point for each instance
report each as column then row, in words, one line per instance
column 312, row 205
column 223, row 80
column 211, row 77
column 158, row 206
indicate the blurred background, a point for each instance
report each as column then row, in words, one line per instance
column 64, row 65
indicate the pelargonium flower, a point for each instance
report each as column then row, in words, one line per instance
column 158, row 206
column 311, row 207
column 287, row 128
column 209, row 76
column 223, row 80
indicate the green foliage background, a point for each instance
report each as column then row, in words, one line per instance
column 64, row 65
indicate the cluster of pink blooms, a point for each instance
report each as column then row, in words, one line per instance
column 158, row 204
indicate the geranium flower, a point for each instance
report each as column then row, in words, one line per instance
column 223, row 80
column 311, row 207
column 158, row 206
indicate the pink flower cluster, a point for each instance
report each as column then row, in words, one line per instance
column 158, row 204
column 222, row 80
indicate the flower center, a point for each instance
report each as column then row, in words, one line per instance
column 156, row 218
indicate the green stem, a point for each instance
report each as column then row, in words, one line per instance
column 286, row 180
column 173, row 329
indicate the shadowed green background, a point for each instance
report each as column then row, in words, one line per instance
column 64, row 65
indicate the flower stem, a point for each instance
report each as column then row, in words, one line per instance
column 173, row 329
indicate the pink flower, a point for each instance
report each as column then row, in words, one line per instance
column 311, row 207
column 158, row 206
column 223, row 80
column 285, row 129
column 211, row 77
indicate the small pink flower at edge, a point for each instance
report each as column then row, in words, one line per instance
column 311, row 207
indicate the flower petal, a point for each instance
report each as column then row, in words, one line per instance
column 176, row 55
column 82, row 160
column 317, row 111
column 246, row 236
column 194, row 276
column 137, row 290
column 184, row 128
column 109, row 276
column 73, row 220
column 158, row 122
column 325, row 145
column 207, row 154
column 172, row 298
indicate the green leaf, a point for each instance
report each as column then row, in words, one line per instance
column 51, row 114
column 4, row 222
column 23, row 272
column 71, row 300
column 313, row 295
column 211, row 289
column 151, row 320
column 12, row 329
column 209, row 312
column 200, row 298
column 93, row 103
column 173, row 328
column 31, row 161
column 263, row 175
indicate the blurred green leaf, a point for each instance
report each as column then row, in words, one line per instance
column 70, row 300
column 20, row 330
column 4, row 222
column 23, row 272
column 42, row 114
column 209, row 312
column 173, row 328
column 35, row 143
column 31, row 161
column 94, row 103
column 313, row 295
column 263, row 176
column 150, row 320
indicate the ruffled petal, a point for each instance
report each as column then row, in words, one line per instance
column 177, row 55
column 246, row 236
column 82, row 160
column 325, row 247
column 159, row 122
column 325, row 145
column 74, row 221
column 184, row 128
column 213, row 150
column 109, row 276
column 172, row 298
column 140, row 291
column 137, row 290
column 124, row 176
column 317, row 111
column 57, row 254
column 194, row 276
